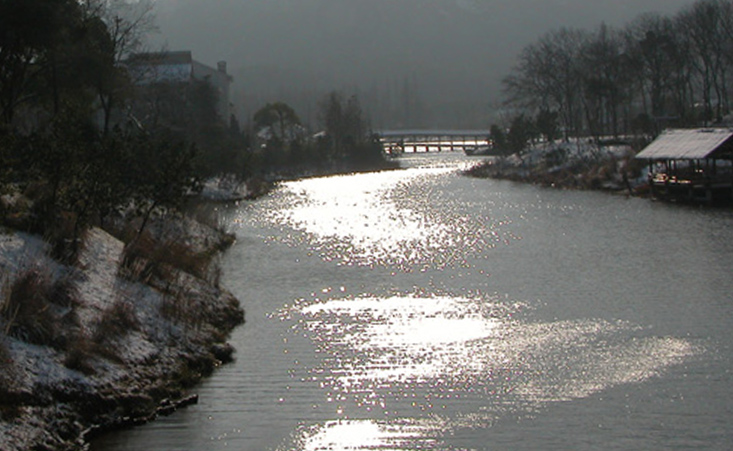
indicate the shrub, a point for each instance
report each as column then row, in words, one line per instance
column 207, row 214
column 179, row 308
column 143, row 259
column 135, row 264
column 36, row 309
column 556, row 157
column 78, row 355
column 26, row 311
column 115, row 322
column 9, row 407
column 180, row 256
column 5, row 356
column 63, row 292
column 6, row 364
column 65, row 239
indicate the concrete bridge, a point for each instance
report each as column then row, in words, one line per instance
column 469, row 141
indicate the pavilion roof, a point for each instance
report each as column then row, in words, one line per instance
column 690, row 144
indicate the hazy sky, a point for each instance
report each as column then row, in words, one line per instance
column 453, row 53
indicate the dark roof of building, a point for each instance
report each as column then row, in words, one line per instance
column 162, row 58
column 690, row 144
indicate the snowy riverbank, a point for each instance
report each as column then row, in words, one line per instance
column 571, row 165
column 114, row 339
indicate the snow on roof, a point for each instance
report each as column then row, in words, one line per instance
column 688, row 144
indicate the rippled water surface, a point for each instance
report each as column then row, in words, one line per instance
column 422, row 310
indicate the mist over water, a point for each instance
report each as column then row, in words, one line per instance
column 413, row 63
column 420, row 309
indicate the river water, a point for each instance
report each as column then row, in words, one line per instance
column 423, row 310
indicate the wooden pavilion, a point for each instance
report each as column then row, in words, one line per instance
column 694, row 165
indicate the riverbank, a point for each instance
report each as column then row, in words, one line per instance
column 231, row 190
column 118, row 336
column 396, row 292
column 607, row 167
column 113, row 339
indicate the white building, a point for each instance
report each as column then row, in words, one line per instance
column 180, row 67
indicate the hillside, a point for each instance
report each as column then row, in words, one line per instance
column 112, row 340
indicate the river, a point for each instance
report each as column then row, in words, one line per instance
column 423, row 310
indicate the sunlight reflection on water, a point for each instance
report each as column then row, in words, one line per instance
column 402, row 338
column 356, row 220
column 370, row 434
column 462, row 314
column 416, row 358
column 405, row 372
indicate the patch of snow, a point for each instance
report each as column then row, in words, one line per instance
column 123, row 364
column 224, row 189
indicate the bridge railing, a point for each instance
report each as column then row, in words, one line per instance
column 467, row 141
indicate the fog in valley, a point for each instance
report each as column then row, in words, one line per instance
column 413, row 63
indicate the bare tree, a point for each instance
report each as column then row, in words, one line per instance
column 703, row 24
column 547, row 76
column 673, row 67
column 128, row 25
column 33, row 34
column 605, row 80
column 652, row 46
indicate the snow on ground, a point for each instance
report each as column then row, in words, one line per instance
column 100, row 261
column 573, row 151
column 127, row 343
column 18, row 250
column 224, row 189
column 577, row 163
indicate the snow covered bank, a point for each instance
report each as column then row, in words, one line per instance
column 110, row 340
column 230, row 189
column 579, row 165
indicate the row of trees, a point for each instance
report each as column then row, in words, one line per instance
column 344, row 143
column 657, row 70
column 75, row 178
column 57, row 55
column 61, row 82
column 82, row 139
column 67, row 58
